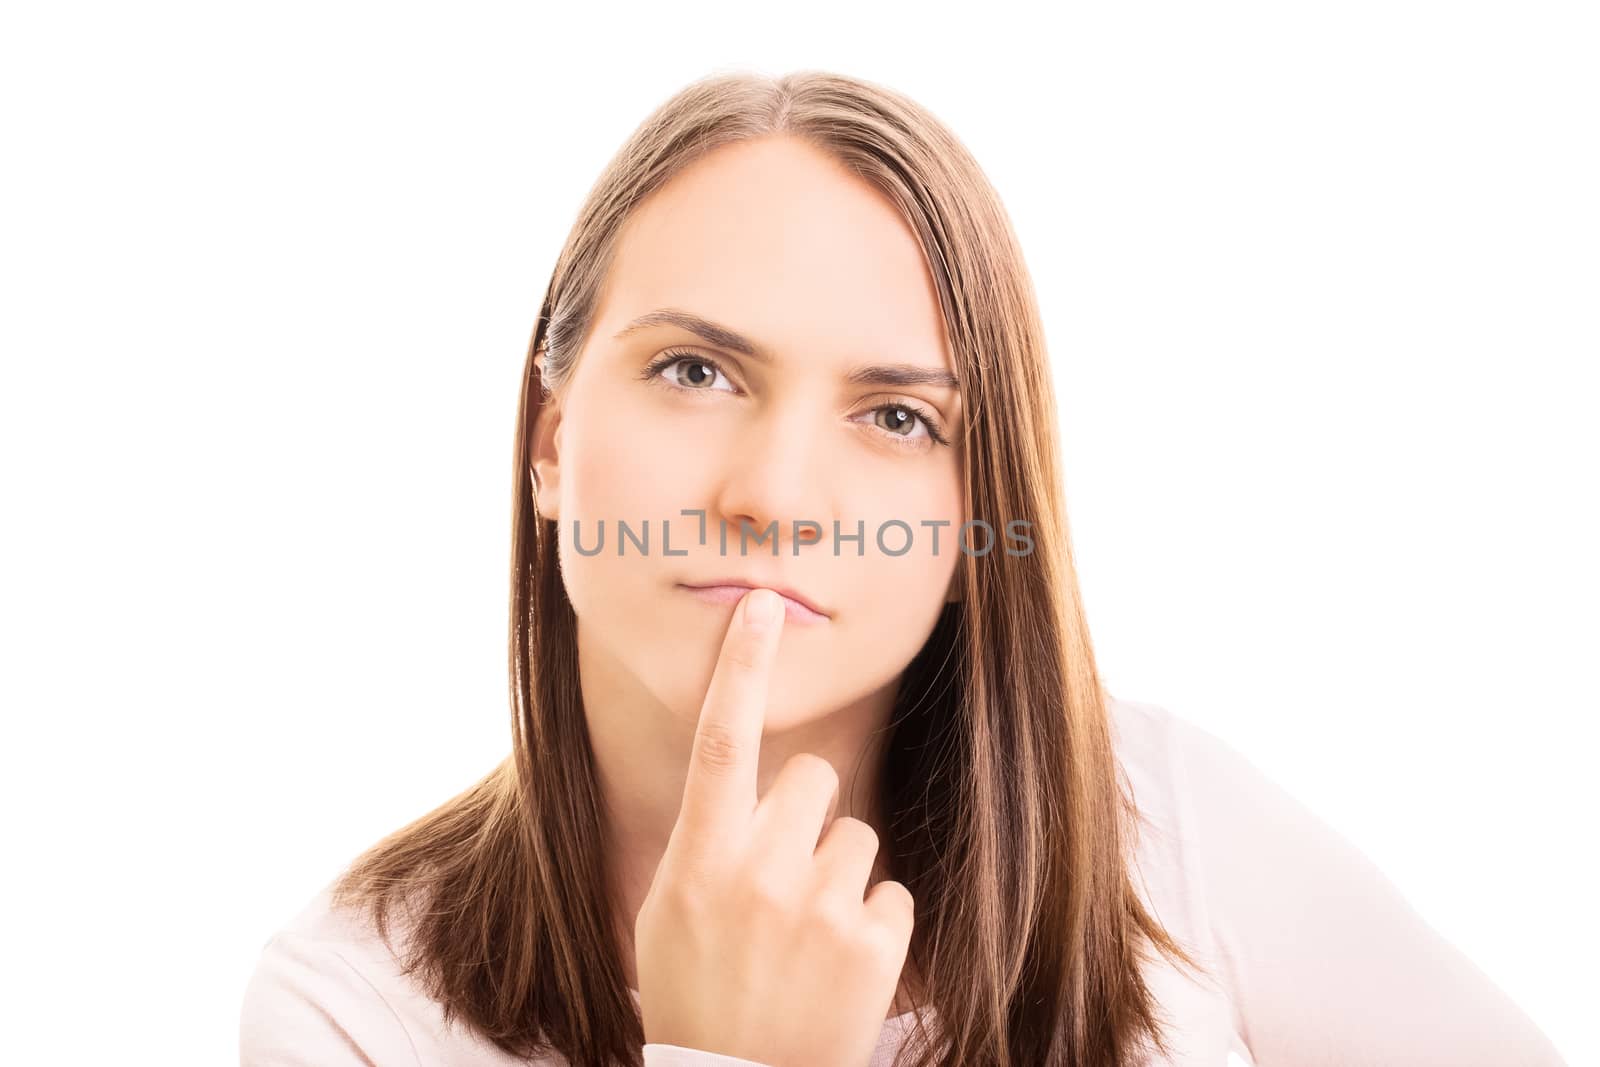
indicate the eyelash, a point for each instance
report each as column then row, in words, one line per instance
column 671, row 357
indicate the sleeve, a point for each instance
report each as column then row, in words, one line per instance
column 1326, row 961
column 306, row 1006
column 659, row 1055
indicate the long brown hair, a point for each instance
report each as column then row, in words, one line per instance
column 1009, row 818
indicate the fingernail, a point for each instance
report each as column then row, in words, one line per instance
column 761, row 608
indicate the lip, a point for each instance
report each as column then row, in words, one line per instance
column 729, row 591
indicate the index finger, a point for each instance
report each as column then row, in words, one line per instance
column 719, row 793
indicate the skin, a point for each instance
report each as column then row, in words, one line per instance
column 749, row 908
column 775, row 240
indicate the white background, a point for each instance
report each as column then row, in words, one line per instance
column 1320, row 284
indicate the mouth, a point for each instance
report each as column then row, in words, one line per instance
column 797, row 609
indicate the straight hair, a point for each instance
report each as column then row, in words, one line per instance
column 1009, row 817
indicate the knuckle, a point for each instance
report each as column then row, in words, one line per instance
column 879, row 942
column 898, row 899
column 768, row 893
column 895, row 909
column 856, row 834
column 682, row 895
column 684, row 885
column 717, row 749
column 814, row 770
column 837, row 921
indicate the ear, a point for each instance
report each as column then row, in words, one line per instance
column 544, row 458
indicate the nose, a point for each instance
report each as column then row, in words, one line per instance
column 780, row 470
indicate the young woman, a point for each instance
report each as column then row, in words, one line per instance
column 791, row 347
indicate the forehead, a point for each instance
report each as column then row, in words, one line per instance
column 781, row 243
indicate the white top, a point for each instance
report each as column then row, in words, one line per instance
column 1320, row 959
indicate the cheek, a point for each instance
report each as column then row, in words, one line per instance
column 897, row 600
column 616, row 470
column 894, row 601
column 621, row 462
column 920, row 518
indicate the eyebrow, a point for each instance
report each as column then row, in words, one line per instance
column 894, row 374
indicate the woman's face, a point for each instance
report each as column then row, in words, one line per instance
column 775, row 243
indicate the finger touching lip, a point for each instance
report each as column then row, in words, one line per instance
column 794, row 611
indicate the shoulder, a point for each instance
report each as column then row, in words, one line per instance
column 317, row 992
column 1231, row 825
column 1216, row 832
column 1190, row 784
column 1155, row 749
column 1322, row 957
column 1161, row 750
column 1143, row 735
column 1231, row 861
column 328, row 988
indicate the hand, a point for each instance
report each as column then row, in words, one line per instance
column 754, row 939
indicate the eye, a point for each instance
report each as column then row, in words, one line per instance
column 689, row 372
column 901, row 423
